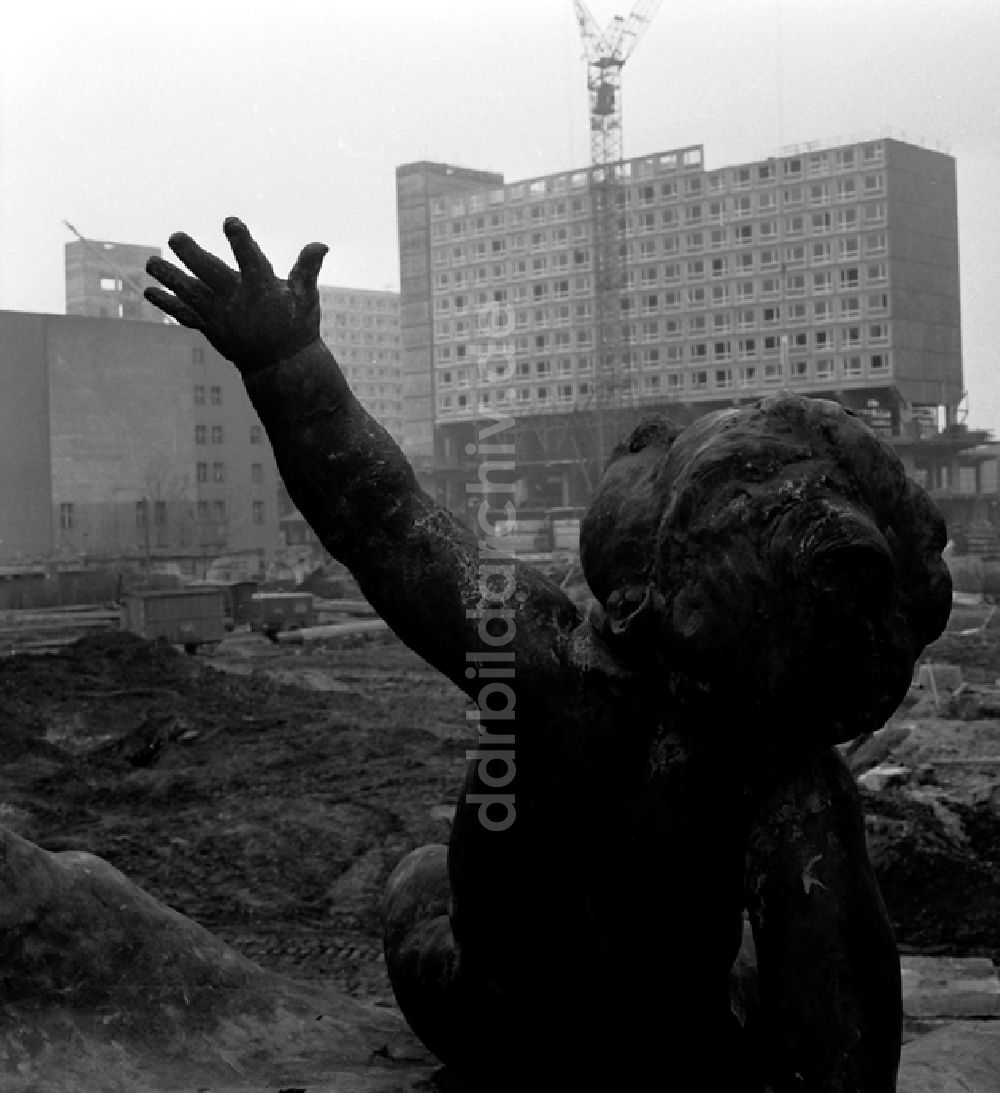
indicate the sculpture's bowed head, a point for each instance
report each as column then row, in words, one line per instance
column 775, row 560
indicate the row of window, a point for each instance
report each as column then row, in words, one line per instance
column 822, row 222
column 389, row 392
column 373, row 372
column 330, row 299
column 823, row 370
column 336, row 337
column 205, row 510
column 582, row 364
column 342, row 319
column 214, row 392
column 489, row 319
column 538, row 239
column 218, row 434
column 735, row 236
column 521, row 267
column 651, row 357
column 731, row 267
column 826, row 250
column 369, row 356
column 812, row 341
column 792, row 313
column 691, row 326
column 655, row 357
column 738, row 263
column 501, row 271
column 219, row 472
column 559, row 209
column 760, row 203
column 764, row 232
column 563, row 392
column 215, row 511
column 738, row 207
column 848, row 279
column 815, row 164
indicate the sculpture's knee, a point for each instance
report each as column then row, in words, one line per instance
column 420, row 954
column 417, row 890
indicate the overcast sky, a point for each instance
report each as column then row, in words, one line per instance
column 134, row 120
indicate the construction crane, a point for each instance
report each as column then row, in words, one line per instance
column 606, row 54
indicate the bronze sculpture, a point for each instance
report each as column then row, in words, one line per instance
column 767, row 579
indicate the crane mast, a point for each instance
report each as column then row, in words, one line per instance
column 606, row 53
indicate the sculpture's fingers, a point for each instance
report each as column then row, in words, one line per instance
column 189, row 290
column 249, row 257
column 302, row 279
column 185, row 315
column 213, row 271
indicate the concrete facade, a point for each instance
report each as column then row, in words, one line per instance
column 25, row 457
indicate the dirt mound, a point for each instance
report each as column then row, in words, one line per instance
column 938, row 866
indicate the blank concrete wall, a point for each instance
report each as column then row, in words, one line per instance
column 25, row 467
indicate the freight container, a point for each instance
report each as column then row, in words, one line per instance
column 272, row 612
column 237, row 600
column 182, row 616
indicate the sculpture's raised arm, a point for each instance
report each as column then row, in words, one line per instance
column 420, row 568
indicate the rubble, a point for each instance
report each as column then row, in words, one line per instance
column 934, row 831
column 949, row 987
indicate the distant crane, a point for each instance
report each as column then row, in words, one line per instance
column 606, row 54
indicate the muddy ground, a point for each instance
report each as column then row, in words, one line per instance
column 270, row 813
column 267, row 792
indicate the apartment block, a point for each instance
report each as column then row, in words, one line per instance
column 832, row 271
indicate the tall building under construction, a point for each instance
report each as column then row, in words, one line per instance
column 831, row 271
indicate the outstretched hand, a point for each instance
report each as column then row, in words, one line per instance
column 252, row 317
